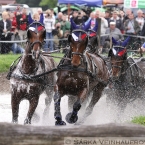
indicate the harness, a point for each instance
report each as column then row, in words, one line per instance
column 40, row 78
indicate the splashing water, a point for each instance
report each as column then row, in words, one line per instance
column 102, row 113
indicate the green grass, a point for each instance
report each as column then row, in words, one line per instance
column 7, row 59
column 139, row 120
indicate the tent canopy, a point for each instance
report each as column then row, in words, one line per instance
column 92, row 3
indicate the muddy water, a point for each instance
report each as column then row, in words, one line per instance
column 102, row 113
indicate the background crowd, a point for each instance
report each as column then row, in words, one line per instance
column 13, row 27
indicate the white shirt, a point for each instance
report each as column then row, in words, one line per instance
column 49, row 24
column 140, row 20
column 5, row 23
column 104, row 25
column 131, row 26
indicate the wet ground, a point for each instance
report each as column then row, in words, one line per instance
column 102, row 113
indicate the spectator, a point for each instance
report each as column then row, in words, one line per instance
column 65, row 26
column 128, row 12
column 57, row 34
column 140, row 19
column 113, row 32
column 118, row 21
column 74, row 16
column 104, row 26
column 59, row 17
column 53, row 16
column 16, row 47
column 13, row 21
column 131, row 25
column 107, row 16
column 22, row 21
column 39, row 11
column 97, row 14
column 36, row 17
column 49, row 26
column 122, row 16
column 81, row 18
column 5, row 35
column 143, row 30
column 131, row 28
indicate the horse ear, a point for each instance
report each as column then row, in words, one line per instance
column 41, row 18
column 28, row 34
column 44, row 34
column 69, row 38
column 73, row 25
column 30, row 20
column 96, row 26
column 114, row 41
column 87, row 26
column 124, row 43
column 110, row 53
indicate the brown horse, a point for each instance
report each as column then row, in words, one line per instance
column 127, row 78
column 79, row 75
column 24, row 84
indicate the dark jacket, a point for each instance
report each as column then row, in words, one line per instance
column 143, row 30
column 22, row 24
column 8, row 26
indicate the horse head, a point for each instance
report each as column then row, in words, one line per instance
column 118, row 55
column 78, row 40
column 35, row 37
column 93, row 39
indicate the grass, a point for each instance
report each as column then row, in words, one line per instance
column 139, row 120
column 7, row 59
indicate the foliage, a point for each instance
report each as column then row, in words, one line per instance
column 139, row 120
column 30, row 3
column 36, row 3
column 7, row 59
column 49, row 3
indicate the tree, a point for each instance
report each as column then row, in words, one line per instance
column 30, row 3
column 45, row 4
column 49, row 3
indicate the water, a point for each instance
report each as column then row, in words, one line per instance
column 102, row 113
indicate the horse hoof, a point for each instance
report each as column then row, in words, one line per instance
column 27, row 121
column 60, row 123
column 70, row 119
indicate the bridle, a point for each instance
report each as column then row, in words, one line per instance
column 79, row 40
column 36, row 24
column 119, row 66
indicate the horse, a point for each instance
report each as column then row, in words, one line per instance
column 78, row 75
column 23, row 76
column 126, row 77
column 92, row 47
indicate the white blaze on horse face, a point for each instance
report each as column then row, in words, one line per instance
column 114, row 51
column 75, row 37
column 32, row 28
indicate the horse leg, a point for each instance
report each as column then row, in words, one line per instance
column 72, row 117
column 33, row 104
column 97, row 92
column 71, row 101
column 48, row 101
column 57, row 113
column 15, row 108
